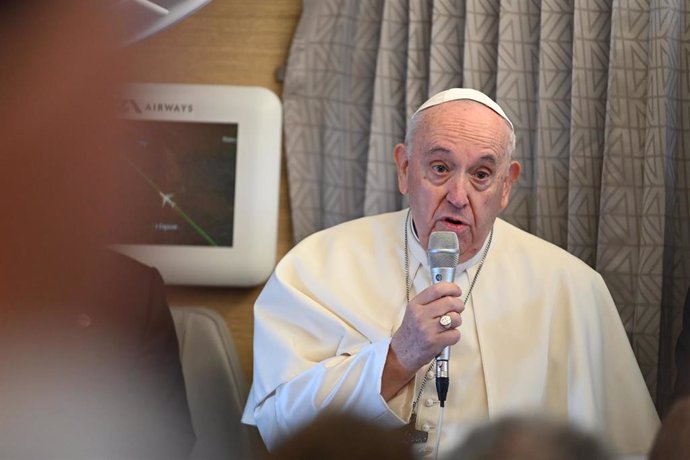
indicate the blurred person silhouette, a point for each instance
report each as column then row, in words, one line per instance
column 672, row 441
column 89, row 359
column 340, row 436
column 530, row 437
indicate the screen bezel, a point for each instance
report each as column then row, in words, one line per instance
column 258, row 114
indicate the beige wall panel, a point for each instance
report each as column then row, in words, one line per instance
column 236, row 43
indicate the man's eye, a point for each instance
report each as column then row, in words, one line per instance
column 482, row 175
column 439, row 168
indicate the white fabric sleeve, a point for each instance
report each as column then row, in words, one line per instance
column 344, row 383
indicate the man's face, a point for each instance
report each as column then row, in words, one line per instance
column 457, row 176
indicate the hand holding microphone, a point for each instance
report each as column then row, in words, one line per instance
column 421, row 337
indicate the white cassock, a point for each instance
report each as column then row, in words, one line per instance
column 540, row 333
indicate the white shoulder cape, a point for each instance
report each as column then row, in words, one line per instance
column 550, row 336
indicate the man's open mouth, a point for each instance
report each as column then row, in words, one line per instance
column 453, row 221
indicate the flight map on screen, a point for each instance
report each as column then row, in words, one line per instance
column 184, row 175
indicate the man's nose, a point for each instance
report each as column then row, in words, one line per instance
column 457, row 193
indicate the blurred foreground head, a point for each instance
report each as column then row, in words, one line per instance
column 673, row 439
column 530, row 438
column 62, row 67
column 342, row 436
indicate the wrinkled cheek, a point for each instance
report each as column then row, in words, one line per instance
column 488, row 203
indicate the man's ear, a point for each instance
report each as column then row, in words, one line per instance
column 402, row 162
column 513, row 174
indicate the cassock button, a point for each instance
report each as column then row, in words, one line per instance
column 426, row 427
column 429, row 402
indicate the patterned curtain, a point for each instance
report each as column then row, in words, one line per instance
column 599, row 92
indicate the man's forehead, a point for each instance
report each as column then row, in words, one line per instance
column 466, row 94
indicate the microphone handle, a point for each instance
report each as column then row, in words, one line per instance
column 439, row 274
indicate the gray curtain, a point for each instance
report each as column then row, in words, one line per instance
column 599, row 92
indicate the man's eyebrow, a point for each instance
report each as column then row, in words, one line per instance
column 489, row 158
column 486, row 158
column 441, row 150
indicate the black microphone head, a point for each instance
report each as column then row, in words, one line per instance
column 443, row 250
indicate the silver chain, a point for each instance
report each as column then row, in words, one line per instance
column 408, row 282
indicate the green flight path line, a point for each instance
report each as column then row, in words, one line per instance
column 177, row 209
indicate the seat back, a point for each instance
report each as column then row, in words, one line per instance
column 216, row 385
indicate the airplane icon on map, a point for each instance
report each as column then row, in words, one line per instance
column 167, row 199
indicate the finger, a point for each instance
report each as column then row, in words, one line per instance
column 447, row 338
column 443, row 305
column 437, row 291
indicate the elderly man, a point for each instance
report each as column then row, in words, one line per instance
column 351, row 321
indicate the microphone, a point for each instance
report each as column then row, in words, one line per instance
column 443, row 253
